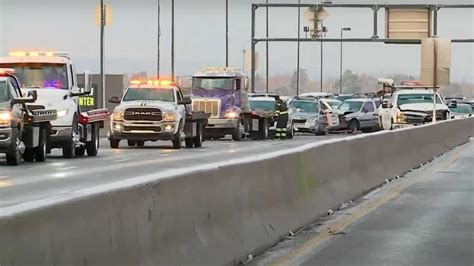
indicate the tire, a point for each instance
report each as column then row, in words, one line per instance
column 92, row 147
column 291, row 133
column 131, row 143
column 14, row 156
column 69, row 146
column 177, row 141
column 80, row 151
column 200, row 136
column 40, row 151
column 114, row 143
column 237, row 133
column 354, row 127
column 263, row 129
column 140, row 143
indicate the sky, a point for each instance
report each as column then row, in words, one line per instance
column 131, row 38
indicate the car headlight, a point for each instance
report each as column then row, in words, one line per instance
column 169, row 117
column 231, row 115
column 117, row 116
column 5, row 117
column 62, row 113
column 400, row 117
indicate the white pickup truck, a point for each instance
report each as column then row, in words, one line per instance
column 52, row 75
column 155, row 110
column 411, row 107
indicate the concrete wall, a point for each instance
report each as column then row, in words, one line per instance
column 216, row 215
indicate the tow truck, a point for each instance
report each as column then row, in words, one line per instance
column 155, row 110
column 222, row 92
column 24, row 128
column 53, row 76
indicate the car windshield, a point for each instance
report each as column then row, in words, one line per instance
column 416, row 98
column 462, row 109
column 262, row 105
column 40, row 75
column 344, row 97
column 334, row 104
column 350, row 106
column 206, row 83
column 4, row 92
column 304, row 106
column 149, row 94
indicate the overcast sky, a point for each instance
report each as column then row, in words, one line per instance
column 69, row 25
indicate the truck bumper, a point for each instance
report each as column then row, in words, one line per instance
column 5, row 139
column 218, row 127
column 61, row 133
column 131, row 131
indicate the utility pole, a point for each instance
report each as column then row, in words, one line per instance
column 102, row 32
column 158, row 42
column 266, row 57
column 172, row 41
column 298, row 52
column 322, row 61
column 227, row 33
column 340, row 63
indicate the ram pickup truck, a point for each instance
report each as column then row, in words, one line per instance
column 155, row 110
column 24, row 128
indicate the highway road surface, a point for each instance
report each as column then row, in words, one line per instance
column 34, row 181
column 429, row 222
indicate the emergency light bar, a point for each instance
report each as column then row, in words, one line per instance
column 155, row 82
column 37, row 53
column 7, row 71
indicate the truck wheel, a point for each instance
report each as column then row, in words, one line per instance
column 238, row 132
column 131, row 143
column 177, row 141
column 40, row 151
column 14, row 156
column 291, row 132
column 92, row 147
column 200, row 137
column 114, row 143
column 263, row 130
column 140, row 143
column 69, row 147
column 189, row 142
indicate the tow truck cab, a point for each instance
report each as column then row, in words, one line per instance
column 24, row 129
column 154, row 110
column 223, row 94
column 53, row 76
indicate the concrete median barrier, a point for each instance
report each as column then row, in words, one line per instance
column 214, row 214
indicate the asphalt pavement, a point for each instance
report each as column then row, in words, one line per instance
column 430, row 221
column 57, row 176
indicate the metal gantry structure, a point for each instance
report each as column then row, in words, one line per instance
column 373, row 39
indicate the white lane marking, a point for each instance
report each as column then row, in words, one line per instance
column 4, row 177
column 67, row 168
column 122, row 160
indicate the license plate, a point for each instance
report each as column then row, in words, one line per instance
column 333, row 120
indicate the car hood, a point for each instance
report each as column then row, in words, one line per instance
column 168, row 106
column 303, row 115
column 49, row 98
column 422, row 107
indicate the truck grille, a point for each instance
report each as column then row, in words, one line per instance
column 142, row 129
column 211, row 107
column 143, row 114
column 299, row 121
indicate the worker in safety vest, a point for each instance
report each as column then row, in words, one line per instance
column 281, row 110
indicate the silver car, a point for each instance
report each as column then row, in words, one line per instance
column 358, row 115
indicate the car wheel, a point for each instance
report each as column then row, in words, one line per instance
column 41, row 150
column 200, row 136
column 93, row 146
column 354, row 127
column 14, row 156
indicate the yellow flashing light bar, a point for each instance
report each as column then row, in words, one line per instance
column 35, row 53
column 153, row 82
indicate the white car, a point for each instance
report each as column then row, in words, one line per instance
column 411, row 107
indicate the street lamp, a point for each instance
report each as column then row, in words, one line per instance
column 340, row 65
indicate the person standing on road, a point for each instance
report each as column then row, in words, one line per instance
column 281, row 109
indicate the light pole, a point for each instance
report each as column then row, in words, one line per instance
column 158, row 43
column 266, row 50
column 102, row 32
column 227, row 33
column 340, row 64
column 298, row 52
column 172, row 40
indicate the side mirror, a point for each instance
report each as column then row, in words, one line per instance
column 87, row 86
column 385, row 104
column 453, row 104
column 185, row 101
column 33, row 94
column 114, row 99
